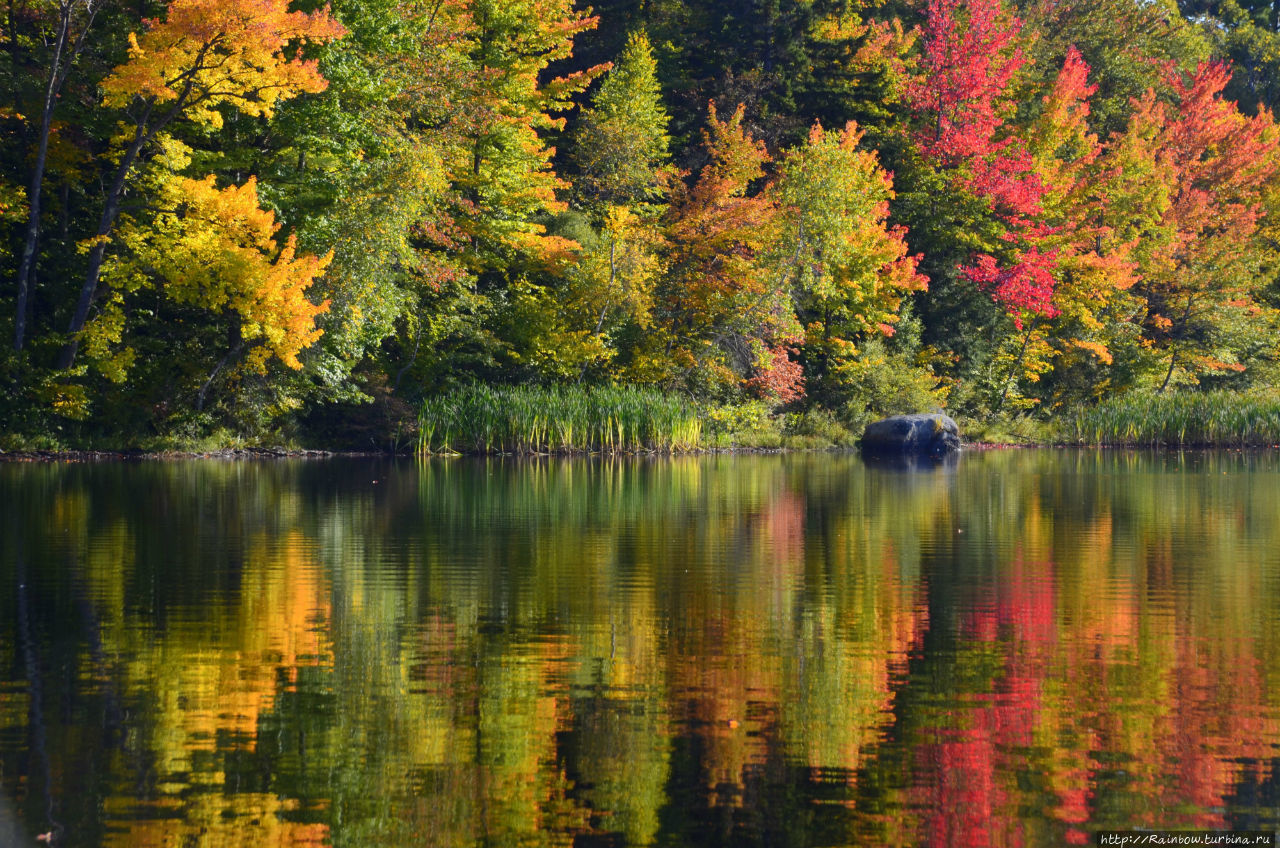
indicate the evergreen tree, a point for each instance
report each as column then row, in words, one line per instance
column 622, row 143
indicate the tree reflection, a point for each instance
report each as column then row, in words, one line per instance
column 1018, row 649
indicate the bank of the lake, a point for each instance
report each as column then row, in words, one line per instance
column 536, row 420
column 572, row 420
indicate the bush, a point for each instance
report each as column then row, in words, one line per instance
column 881, row 382
column 818, row 428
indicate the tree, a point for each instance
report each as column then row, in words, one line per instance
column 1127, row 44
column 491, row 99
column 506, row 178
column 1088, row 216
column 969, row 61
column 621, row 139
column 848, row 268
column 621, row 151
column 961, row 96
column 1200, row 268
column 970, row 56
column 1047, row 239
column 749, row 52
column 1244, row 33
column 604, row 302
column 216, row 249
column 204, row 56
column 74, row 22
column 857, row 69
column 364, row 169
column 720, row 308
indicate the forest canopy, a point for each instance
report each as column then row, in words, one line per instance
column 256, row 217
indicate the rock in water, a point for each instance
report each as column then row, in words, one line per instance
column 922, row 434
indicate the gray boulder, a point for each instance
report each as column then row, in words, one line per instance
column 923, row 434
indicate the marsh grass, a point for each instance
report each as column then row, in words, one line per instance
column 557, row 419
column 1184, row 419
column 1016, row 429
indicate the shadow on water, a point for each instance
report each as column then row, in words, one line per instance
column 12, row 831
column 908, row 463
column 39, row 755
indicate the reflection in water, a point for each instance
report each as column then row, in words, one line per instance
column 1016, row 649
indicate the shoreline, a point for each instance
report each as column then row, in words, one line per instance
column 173, row 455
column 226, row 454
column 259, row 453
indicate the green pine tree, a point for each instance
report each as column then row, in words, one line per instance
column 622, row 139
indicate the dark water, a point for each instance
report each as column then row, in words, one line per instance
column 787, row 651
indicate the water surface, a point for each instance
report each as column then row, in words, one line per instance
column 1018, row 649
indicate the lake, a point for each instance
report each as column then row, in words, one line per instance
column 1018, row 648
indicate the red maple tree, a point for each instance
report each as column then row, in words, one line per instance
column 971, row 55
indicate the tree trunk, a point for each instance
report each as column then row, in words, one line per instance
column 1173, row 356
column 1017, row 363
column 237, row 344
column 141, row 137
column 105, row 224
column 608, row 291
column 32, row 236
column 1173, row 361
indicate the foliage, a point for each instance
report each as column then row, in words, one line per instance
column 719, row 304
column 207, row 53
column 242, row 216
column 506, row 176
column 218, row 250
column 1128, row 44
column 848, row 268
column 621, row 138
column 971, row 56
column 885, row 381
column 748, row 424
column 204, row 56
column 1204, row 263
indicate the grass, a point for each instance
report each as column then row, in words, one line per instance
column 1182, row 419
column 1005, row 430
column 558, row 419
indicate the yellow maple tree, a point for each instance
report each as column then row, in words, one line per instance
column 203, row 56
column 206, row 53
column 216, row 248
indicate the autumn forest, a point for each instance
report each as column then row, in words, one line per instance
column 260, row 219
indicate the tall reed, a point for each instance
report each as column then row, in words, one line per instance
column 557, row 419
column 1187, row 419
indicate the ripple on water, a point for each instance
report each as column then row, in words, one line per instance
column 1019, row 647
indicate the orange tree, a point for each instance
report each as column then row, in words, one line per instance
column 203, row 57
